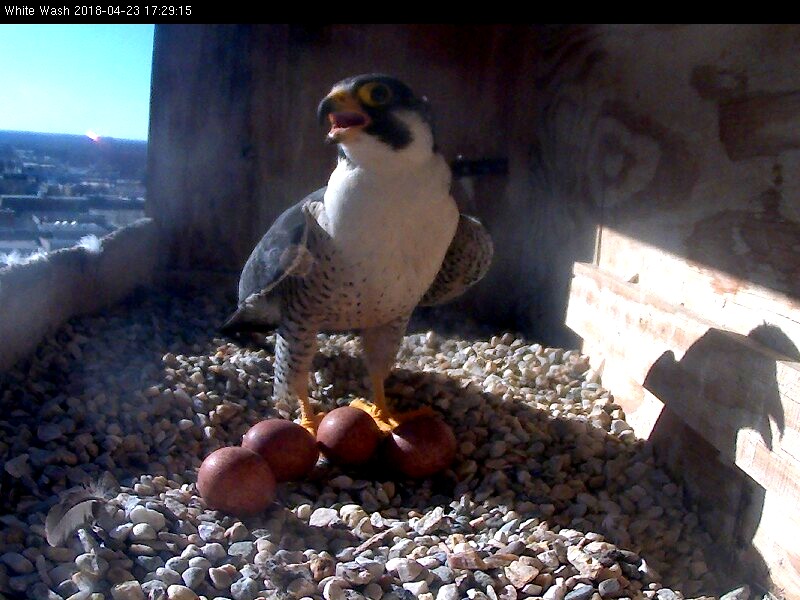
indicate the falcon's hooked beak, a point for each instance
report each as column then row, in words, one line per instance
column 345, row 114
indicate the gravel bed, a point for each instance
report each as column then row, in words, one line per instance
column 550, row 496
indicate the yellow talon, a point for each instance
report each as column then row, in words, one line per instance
column 311, row 424
column 309, row 420
column 382, row 419
column 379, row 411
column 385, row 421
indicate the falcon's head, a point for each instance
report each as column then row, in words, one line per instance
column 373, row 114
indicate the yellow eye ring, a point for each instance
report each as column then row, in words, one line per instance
column 375, row 94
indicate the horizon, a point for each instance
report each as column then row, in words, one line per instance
column 78, row 135
column 77, row 80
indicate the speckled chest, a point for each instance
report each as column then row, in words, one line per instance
column 388, row 236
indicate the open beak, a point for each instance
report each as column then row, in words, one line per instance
column 345, row 115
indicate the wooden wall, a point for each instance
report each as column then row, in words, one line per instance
column 234, row 140
column 691, row 304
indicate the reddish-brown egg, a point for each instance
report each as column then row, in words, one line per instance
column 236, row 480
column 420, row 447
column 290, row 450
column 348, row 436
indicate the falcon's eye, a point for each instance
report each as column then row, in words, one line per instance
column 375, row 94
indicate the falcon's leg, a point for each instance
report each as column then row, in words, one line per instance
column 380, row 352
column 294, row 351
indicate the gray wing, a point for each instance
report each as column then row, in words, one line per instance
column 283, row 251
column 467, row 260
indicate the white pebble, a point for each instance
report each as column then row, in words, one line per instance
column 448, row 592
column 210, row 532
column 220, row 577
column 181, row 592
column 121, row 532
column 143, row 532
column 556, row 591
column 324, row 517
column 406, row 569
column 333, row 591
column 142, row 514
column 128, row 590
column 18, row 466
column 416, row 587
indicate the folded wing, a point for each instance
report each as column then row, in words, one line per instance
column 283, row 251
column 467, row 260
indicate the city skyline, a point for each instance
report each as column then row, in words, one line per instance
column 59, row 190
column 76, row 79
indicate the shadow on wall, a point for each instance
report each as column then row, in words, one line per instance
column 736, row 386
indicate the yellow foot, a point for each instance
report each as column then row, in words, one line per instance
column 311, row 424
column 383, row 420
column 387, row 422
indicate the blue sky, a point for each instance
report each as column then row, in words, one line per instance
column 76, row 78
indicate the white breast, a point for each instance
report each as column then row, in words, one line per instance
column 392, row 228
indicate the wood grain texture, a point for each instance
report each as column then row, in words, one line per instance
column 628, row 136
column 685, row 147
column 764, row 124
column 638, row 140
column 735, row 303
column 674, row 371
column 200, row 158
column 602, row 129
column 234, row 140
column 742, row 397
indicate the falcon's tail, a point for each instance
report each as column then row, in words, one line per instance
column 235, row 324
column 260, row 317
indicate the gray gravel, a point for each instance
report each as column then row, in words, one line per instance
column 551, row 494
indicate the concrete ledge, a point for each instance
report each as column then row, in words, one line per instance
column 38, row 297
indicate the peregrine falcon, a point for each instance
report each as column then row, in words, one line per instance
column 383, row 237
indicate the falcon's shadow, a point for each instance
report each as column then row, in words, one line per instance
column 736, row 377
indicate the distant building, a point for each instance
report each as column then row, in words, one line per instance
column 64, row 234
column 28, row 203
column 56, row 216
column 18, row 183
column 40, row 170
column 117, row 210
column 50, row 201
column 17, row 234
column 74, row 229
column 7, row 219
